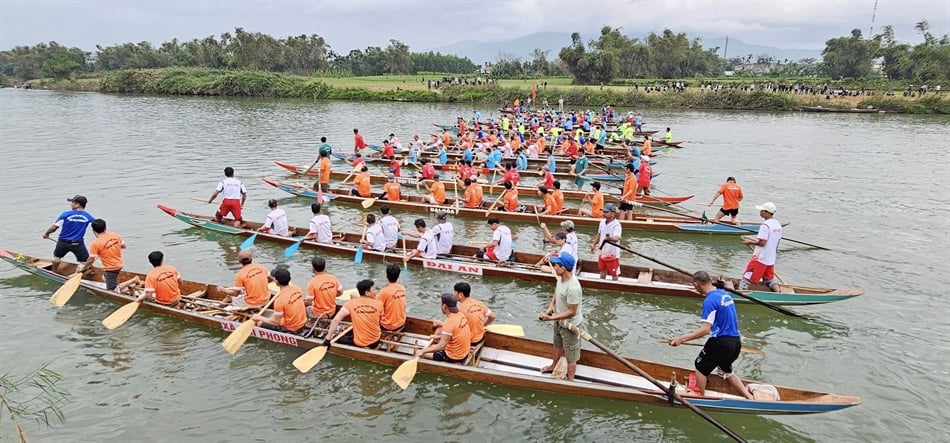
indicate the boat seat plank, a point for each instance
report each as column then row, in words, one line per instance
column 645, row 277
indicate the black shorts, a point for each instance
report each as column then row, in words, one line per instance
column 718, row 352
column 280, row 328
column 626, row 206
column 347, row 339
column 441, row 356
column 112, row 279
column 78, row 248
column 730, row 212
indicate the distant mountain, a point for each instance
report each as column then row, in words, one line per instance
column 522, row 47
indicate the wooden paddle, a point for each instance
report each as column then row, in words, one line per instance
column 512, row 330
column 745, row 296
column 743, row 349
column 404, row 374
column 121, row 315
column 492, row 207
column 725, row 224
column 367, row 202
column 66, row 291
column 242, row 332
column 669, row 392
column 309, row 359
column 405, row 263
column 355, row 170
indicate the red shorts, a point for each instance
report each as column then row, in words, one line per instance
column 230, row 205
column 490, row 253
column 609, row 264
column 756, row 272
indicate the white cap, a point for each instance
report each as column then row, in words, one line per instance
column 767, row 207
column 645, row 158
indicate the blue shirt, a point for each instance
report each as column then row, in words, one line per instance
column 478, row 116
column 522, row 162
column 73, row 224
column 638, row 120
column 467, row 155
column 552, row 164
column 602, row 138
column 493, row 159
column 720, row 310
column 443, row 156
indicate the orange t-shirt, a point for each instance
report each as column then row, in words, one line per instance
column 290, row 303
column 108, row 246
column 558, row 200
column 325, row 170
column 438, row 192
column 550, row 204
column 472, row 195
column 731, row 194
column 511, row 200
column 475, row 311
column 446, row 139
column 515, row 144
column 362, row 184
column 253, row 278
column 589, row 147
column 393, row 298
column 392, row 191
column 541, row 145
column 597, row 205
column 629, row 188
column 165, row 281
column 460, row 336
column 365, row 313
column 323, row 288
column 647, row 147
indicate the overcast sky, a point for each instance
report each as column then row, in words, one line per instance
column 426, row 24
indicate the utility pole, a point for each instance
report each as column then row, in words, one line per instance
column 725, row 51
column 873, row 15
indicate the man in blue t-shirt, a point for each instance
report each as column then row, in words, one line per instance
column 74, row 223
column 720, row 321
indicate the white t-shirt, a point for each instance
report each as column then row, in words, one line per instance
column 427, row 245
column 390, row 230
column 445, row 235
column 231, row 188
column 572, row 240
column 503, row 236
column 612, row 229
column 277, row 222
column 321, row 225
column 376, row 238
column 771, row 232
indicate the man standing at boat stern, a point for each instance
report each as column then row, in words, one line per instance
column 565, row 309
column 234, row 194
column 762, row 265
column 74, row 223
column 608, row 261
column 722, row 349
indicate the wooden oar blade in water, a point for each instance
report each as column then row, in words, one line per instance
column 512, row 330
column 309, row 359
column 368, row 202
column 404, row 374
column 66, row 291
column 238, row 337
column 249, row 243
column 121, row 315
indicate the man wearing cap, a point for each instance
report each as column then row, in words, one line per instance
column 365, row 312
column 233, row 195
column 288, row 314
column 390, row 227
column 276, row 220
column 427, row 247
column 499, row 249
column 444, row 234
column 74, row 223
column 250, row 283
column 452, row 340
column 564, row 310
column 559, row 239
column 107, row 247
column 320, row 227
column 608, row 261
column 392, row 191
column 731, row 194
column 762, row 265
column 570, row 237
column 374, row 237
column 644, row 175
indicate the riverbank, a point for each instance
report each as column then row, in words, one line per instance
column 188, row 81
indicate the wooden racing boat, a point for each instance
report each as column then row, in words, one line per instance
column 501, row 360
column 633, row 279
column 641, row 221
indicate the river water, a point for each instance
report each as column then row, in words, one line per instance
column 875, row 189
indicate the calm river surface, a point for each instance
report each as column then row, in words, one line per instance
column 875, row 189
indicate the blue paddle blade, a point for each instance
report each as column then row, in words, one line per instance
column 292, row 248
column 249, row 243
column 358, row 258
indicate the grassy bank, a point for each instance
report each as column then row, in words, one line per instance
column 185, row 81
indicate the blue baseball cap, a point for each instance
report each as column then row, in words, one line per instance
column 563, row 259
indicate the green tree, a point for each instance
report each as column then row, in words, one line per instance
column 397, row 58
column 848, row 56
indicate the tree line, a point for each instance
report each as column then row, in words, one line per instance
column 612, row 56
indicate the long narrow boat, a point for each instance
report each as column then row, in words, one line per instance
column 563, row 171
column 633, row 279
column 563, row 162
column 641, row 221
column 412, row 180
column 501, row 360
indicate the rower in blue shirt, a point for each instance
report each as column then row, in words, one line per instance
column 467, row 154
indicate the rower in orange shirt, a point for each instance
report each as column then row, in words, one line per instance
column 446, row 138
column 558, row 197
column 391, row 190
column 250, row 283
column 629, row 194
column 476, row 312
column 163, row 283
column 437, row 191
column 361, row 181
column 322, row 291
column 473, row 194
column 365, row 312
column 596, row 202
column 647, row 146
column 289, row 314
column 453, row 338
column 550, row 205
column 510, row 200
column 393, row 298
